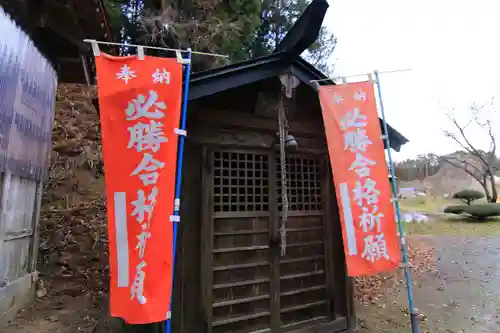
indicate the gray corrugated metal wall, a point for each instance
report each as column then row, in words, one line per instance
column 19, row 206
column 27, row 98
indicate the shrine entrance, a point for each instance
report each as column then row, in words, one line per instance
column 247, row 284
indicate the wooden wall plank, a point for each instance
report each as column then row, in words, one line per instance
column 187, row 309
column 2, row 229
column 274, row 238
column 206, row 238
column 17, row 216
column 37, row 205
column 18, row 242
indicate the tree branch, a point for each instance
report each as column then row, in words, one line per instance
column 462, row 164
column 468, row 146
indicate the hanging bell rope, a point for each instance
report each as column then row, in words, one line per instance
column 283, row 133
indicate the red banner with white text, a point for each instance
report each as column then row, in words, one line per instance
column 140, row 105
column 361, row 178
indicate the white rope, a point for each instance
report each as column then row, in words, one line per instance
column 343, row 77
column 94, row 42
column 283, row 127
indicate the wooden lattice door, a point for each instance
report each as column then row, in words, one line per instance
column 304, row 298
column 237, row 260
column 247, row 285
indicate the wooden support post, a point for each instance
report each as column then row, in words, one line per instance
column 86, row 70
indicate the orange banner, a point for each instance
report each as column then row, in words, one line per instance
column 361, row 178
column 140, row 103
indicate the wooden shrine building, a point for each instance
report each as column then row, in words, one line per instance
column 230, row 275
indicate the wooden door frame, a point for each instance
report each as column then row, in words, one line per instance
column 336, row 298
column 329, row 235
column 206, row 280
column 274, row 249
column 207, row 231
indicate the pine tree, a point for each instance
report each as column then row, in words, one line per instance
column 214, row 26
column 277, row 18
column 241, row 29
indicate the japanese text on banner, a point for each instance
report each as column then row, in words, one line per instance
column 140, row 104
column 361, row 178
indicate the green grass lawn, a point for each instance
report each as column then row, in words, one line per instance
column 425, row 204
column 444, row 224
column 430, row 204
column 453, row 226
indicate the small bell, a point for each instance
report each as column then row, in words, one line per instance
column 290, row 143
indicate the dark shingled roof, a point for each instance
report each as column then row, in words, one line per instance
column 210, row 82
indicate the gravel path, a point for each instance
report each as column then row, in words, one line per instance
column 463, row 295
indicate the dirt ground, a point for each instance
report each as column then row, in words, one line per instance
column 58, row 314
column 71, row 308
column 455, row 290
column 461, row 295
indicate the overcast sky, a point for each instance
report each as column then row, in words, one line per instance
column 452, row 47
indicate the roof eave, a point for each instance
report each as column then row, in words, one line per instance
column 210, row 82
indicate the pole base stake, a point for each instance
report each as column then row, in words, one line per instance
column 415, row 323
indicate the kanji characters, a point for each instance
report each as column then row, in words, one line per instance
column 148, row 164
column 161, row 76
column 362, row 205
column 144, row 205
column 146, row 136
column 352, row 119
column 142, row 240
column 126, row 74
column 375, row 248
column 356, row 140
column 141, row 107
column 137, row 290
column 366, row 192
column 337, row 99
column 361, row 165
column 149, row 178
column 370, row 218
column 359, row 95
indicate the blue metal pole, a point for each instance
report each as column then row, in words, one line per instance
column 415, row 327
column 178, row 179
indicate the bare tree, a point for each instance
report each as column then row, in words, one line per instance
column 478, row 163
